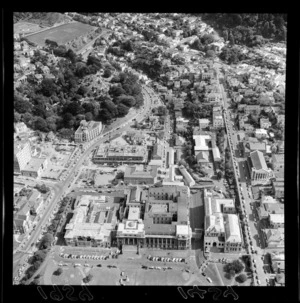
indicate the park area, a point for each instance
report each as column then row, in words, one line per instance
column 219, row 277
column 61, row 34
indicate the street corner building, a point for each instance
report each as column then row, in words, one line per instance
column 222, row 229
column 87, row 131
column 93, row 221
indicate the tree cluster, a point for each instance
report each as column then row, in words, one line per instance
column 46, row 241
column 235, row 266
column 249, row 29
column 42, row 188
column 231, row 54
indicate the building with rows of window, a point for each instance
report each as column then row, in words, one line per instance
column 87, row 131
column 161, row 222
column 221, row 225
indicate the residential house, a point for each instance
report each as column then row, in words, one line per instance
column 252, row 109
column 203, row 123
column 265, row 123
column 261, row 133
column 280, row 146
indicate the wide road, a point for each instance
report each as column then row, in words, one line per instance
column 61, row 188
column 242, row 177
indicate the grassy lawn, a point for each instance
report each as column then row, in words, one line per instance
column 61, row 34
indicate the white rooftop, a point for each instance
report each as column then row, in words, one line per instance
column 182, row 230
column 232, row 229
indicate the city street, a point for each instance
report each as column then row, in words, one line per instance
column 60, row 189
column 242, row 176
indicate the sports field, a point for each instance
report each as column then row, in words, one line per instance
column 61, row 34
column 26, row 27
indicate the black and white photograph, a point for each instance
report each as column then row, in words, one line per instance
column 149, row 149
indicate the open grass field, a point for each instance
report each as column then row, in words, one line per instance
column 61, row 34
column 26, row 27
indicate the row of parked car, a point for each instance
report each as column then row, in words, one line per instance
column 163, row 259
column 156, row 267
column 94, row 257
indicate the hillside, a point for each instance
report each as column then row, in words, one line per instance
column 44, row 19
column 248, row 29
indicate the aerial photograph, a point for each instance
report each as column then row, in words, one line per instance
column 149, row 149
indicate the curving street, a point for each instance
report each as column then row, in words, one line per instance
column 60, row 189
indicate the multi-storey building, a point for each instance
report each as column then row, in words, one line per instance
column 138, row 175
column 260, row 173
column 93, row 222
column 22, row 155
column 87, row 131
column 221, row 225
column 130, row 154
column 165, row 224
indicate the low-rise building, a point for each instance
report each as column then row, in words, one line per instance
column 20, row 127
column 203, row 123
column 252, row 109
column 276, row 220
column 278, row 188
column 261, row 133
column 189, row 181
column 157, row 153
column 35, row 167
column 265, row 123
column 278, row 262
column 218, row 121
column 115, row 154
column 138, row 175
column 22, row 219
column 274, row 238
column 215, row 152
column 270, row 208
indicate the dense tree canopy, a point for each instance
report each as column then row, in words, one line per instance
column 248, row 29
